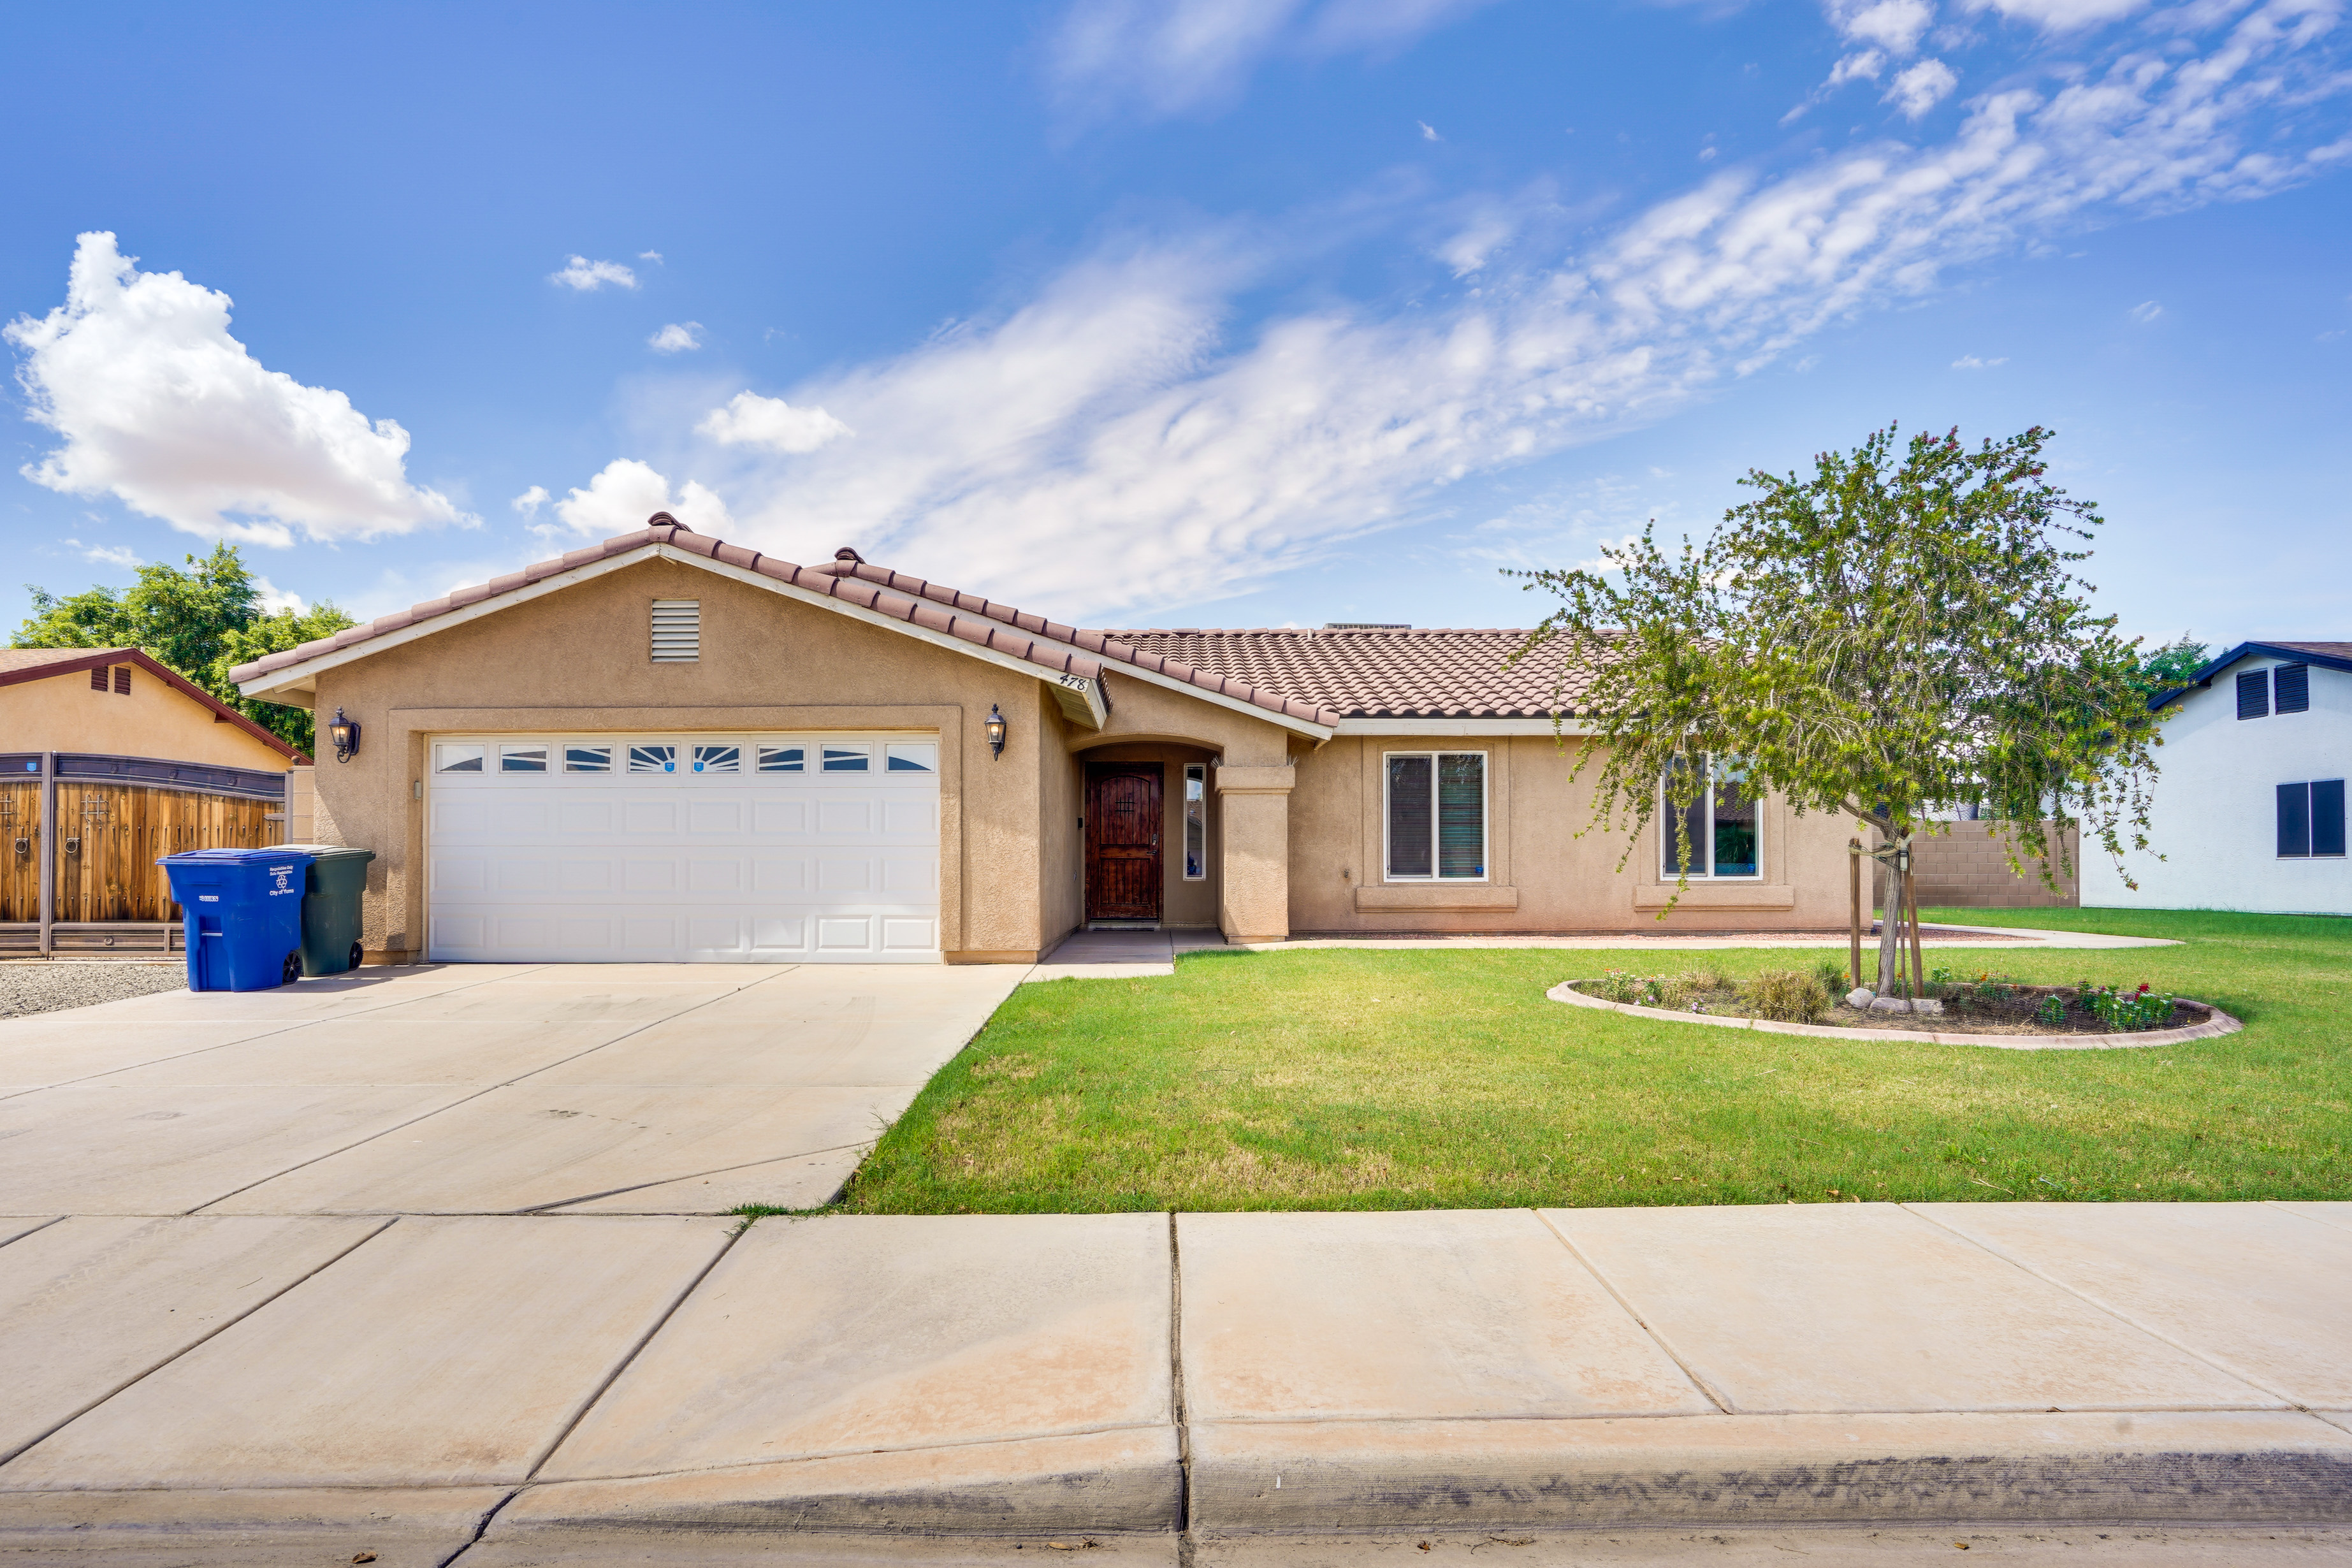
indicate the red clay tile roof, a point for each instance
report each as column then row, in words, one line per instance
column 967, row 616
column 1415, row 673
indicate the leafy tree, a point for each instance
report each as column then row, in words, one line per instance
column 201, row 622
column 2170, row 667
column 1898, row 633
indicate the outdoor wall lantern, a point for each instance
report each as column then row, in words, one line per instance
column 996, row 728
column 346, row 734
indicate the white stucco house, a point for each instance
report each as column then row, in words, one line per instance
column 2248, row 806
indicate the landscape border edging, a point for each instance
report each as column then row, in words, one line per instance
column 2218, row 1023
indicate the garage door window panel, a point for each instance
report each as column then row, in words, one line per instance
column 653, row 759
column 587, row 759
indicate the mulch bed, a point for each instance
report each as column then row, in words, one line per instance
column 1968, row 1010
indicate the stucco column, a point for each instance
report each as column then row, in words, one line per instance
column 1254, row 811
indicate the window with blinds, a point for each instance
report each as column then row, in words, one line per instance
column 2255, row 694
column 2292, row 685
column 1436, row 812
column 677, row 631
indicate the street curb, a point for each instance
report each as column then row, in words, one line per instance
column 2281, row 1466
column 2220, row 1023
column 1101, row 1482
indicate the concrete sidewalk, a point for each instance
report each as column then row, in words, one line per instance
column 259, row 1388
column 1142, row 954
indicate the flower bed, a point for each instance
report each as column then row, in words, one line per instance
column 1985, row 1009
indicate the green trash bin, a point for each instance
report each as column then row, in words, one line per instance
column 331, row 907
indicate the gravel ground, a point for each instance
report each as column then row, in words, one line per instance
column 46, row 986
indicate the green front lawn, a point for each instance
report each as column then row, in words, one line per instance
column 1370, row 1079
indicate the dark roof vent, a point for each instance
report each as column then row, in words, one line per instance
column 851, row 556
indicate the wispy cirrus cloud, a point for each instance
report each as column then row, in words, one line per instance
column 1155, row 59
column 159, row 407
column 1117, row 443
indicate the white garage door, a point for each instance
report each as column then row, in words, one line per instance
column 728, row 849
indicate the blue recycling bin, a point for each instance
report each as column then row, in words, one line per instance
column 243, row 914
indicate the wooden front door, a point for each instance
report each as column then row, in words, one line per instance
column 1123, row 821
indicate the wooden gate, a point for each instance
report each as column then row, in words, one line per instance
column 109, row 837
column 20, row 850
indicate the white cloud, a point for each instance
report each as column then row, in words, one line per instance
column 1115, row 443
column 1428, row 132
column 162, row 408
column 676, row 338
column 751, row 420
column 1894, row 26
column 2147, row 311
column 1971, row 361
column 2060, row 15
column 1862, row 66
column 587, row 276
column 652, row 256
column 626, row 492
column 530, row 501
column 1154, row 59
column 273, row 598
column 120, row 556
column 1919, row 88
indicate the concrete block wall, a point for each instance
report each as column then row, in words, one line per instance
column 1968, row 868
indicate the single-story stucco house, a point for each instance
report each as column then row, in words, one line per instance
column 665, row 747
column 2248, row 806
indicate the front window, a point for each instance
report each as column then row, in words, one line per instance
column 1436, row 816
column 1196, row 822
column 1717, row 832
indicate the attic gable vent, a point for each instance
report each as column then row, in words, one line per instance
column 677, row 631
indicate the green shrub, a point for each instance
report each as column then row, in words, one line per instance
column 1706, row 977
column 1786, row 994
column 1833, row 976
column 1617, row 985
column 2122, row 1011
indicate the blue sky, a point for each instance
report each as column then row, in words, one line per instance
column 1203, row 312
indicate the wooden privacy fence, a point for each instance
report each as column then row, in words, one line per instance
column 97, row 827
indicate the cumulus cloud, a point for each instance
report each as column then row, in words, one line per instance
column 1894, row 26
column 2060, row 15
column 1919, row 88
column 1971, row 361
column 587, row 276
column 272, row 598
column 1116, row 443
column 2147, row 311
column 162, row 408
column 652, row 256
column 1428, row 132
column 676, row 338
column 751, row 420
column 530, row 501
column 623, row 495
column 1154, row 59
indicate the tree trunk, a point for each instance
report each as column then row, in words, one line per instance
column 1890, row 930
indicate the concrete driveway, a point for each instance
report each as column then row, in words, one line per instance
column 472, row 1088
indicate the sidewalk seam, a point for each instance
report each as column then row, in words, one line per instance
column 480, row 1528
column 53, row 1219
column 1640, row 1322
column 1186, row 1545
column 634, row 1351
column 222, row 1328
column 2097, row 1305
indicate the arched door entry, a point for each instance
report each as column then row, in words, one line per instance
column 1123, row 816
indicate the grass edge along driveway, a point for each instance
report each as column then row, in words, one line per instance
column 1373, row 1078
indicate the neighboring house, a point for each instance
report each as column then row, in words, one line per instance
column 2248, row 806
column 111, row 760
column 665, row 747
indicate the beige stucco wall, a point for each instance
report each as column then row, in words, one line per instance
column 579, row 660
column 1540, row 876
column 61, row 713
